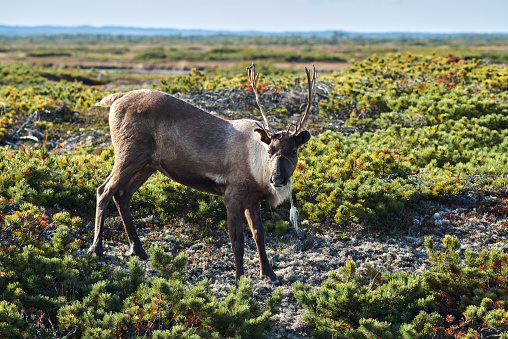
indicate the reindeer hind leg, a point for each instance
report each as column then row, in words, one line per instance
column 120, row 175
column 122, row 200
column 100, row 214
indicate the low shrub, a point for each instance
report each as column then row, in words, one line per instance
column 458, row 297
column 382, row 305
column 50, row 292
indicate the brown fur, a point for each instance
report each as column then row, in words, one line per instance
column 151, row 130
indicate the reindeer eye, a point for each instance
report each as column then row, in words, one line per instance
column 294, row 152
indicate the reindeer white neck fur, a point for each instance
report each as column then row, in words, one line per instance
column 259, row 166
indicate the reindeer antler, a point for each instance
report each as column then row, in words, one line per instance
column 253, row 78
column 312, row 84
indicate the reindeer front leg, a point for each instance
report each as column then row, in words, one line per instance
column 235, row 229
column 253, row 215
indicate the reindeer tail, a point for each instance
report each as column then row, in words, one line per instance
column 109, row 100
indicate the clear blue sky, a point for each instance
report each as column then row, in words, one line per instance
column 433, row 16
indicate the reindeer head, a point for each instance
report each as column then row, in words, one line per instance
column 282, row 146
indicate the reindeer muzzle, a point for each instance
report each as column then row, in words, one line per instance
column 279, row 177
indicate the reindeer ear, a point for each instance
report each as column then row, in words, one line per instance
column 264, row 136
column 301, row 138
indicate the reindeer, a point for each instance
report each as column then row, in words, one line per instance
column 243, row 161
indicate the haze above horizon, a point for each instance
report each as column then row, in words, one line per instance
column 362, row 16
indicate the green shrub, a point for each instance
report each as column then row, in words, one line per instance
column 434, row 123
column 41, row 178
column 471, row 289
column 349, row 305
column 456, row 297
column 373, row 175
column 281, row 227
column 49, row 291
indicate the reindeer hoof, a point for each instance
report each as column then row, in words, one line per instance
column 139, row 251
column 271, row 277
column 95, row 250
column 275, row 282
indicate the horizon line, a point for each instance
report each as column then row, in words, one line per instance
column 250, row 31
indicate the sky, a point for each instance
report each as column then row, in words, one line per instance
column 426, row 16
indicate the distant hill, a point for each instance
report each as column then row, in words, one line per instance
column 14, row 31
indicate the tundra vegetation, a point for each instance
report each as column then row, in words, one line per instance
column 391, row 130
